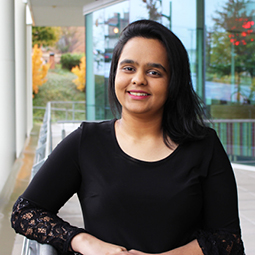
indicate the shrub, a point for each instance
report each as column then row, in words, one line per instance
column 80, row 72
column 68, row 61
column 39, row 69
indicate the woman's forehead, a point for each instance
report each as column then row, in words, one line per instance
column 140, row 49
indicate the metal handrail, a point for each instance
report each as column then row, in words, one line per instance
column 44, row 148
column 67, row 107
column 232, row 120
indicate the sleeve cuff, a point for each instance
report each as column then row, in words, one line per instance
column 67, row 246
column 220, row 242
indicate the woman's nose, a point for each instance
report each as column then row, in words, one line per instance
column 139, row 78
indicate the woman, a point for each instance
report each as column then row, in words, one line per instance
column 156, row 180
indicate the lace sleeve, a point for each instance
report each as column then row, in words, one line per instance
column 220, row 243
column 42, row 226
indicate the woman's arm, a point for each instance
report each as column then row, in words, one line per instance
column 35, row 212
column 221, row 232
column 45, row 227
column 219, row 242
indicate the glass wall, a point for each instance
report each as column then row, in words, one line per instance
column 104, row 27
column 219, row 38
column 229, row 53
column 230, row 70
column 182, row 21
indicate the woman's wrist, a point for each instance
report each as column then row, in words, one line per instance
column 78, row 240
column 87, row 244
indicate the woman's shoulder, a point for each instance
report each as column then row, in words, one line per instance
column 203, row 134
column 87, row 133
column 205, row 142
column 88, row 129
column 210, row 133
column 96, row 126
column 96, row 129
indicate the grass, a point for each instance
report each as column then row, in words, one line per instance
column 59, row 87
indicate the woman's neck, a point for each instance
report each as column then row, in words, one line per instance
column 142, row 138
column 138, row 127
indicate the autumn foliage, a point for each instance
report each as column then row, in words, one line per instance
column 39, row 69
column 80, row 72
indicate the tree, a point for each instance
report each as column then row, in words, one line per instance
column 80, row 71
column 45, row 36
column 39, row 69
column 232, row 41
column 153, row 6
column 68, row 39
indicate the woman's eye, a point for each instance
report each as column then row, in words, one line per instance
column 154, row 73
column 128, row 68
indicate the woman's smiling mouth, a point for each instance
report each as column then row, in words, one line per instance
column 138, row 94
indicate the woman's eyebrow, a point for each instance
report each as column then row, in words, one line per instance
column 128, row 61
column 156, row 65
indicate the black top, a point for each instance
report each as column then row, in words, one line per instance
column 149, row 206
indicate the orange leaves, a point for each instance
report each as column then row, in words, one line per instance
column 39, row 69
column 80, row 72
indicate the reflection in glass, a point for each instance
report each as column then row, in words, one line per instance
column 230, row 47
column 230, row 71
column 107, row 26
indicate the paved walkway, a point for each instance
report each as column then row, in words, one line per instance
column 17, row 181
column 245, row 177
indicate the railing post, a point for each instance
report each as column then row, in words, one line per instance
column 238, row 138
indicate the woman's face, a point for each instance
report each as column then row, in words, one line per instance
column 142, row 77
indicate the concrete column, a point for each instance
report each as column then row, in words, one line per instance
column 7, row 88
column 29, row 71
column 20, row 75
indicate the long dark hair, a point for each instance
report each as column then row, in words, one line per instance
column 183, row 112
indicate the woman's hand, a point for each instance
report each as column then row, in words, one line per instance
column 135, row 252
column 191, row 248
column 87, row 244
